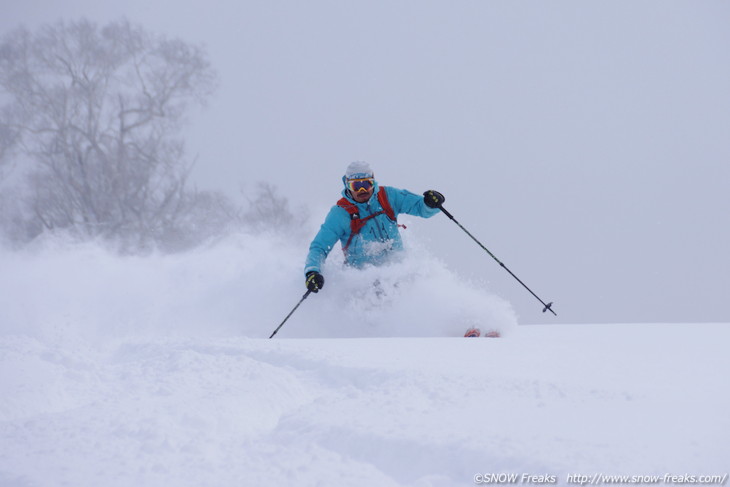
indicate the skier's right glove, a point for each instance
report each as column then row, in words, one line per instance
column 315, row 281
column 433, row 199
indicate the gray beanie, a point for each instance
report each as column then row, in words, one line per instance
column 358, row 170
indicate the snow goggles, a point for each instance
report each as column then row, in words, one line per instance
column 360, row 185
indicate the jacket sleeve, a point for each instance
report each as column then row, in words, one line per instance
column 334, row 228
column 403, row 201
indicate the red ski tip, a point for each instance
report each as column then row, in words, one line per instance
column 476, row 332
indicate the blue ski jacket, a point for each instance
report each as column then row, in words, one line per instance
column 377, row 240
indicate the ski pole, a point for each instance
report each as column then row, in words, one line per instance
column 547, row 306
column 291, row 312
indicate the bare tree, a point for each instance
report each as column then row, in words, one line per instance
column 270, row 212
column 8, row 140
column 98, row 111
column 206, row 215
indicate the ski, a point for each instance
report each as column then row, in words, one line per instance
column 476, row 332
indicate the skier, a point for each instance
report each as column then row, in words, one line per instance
column 364, row 220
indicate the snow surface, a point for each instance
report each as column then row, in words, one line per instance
column 156, row 371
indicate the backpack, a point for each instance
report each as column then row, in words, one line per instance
column 356, row 223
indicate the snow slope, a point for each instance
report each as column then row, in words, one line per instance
column 155, row 371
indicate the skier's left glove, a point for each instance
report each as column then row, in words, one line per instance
column 315, row 281
column 433, row 199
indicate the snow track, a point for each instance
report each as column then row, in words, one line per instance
column 391, row 411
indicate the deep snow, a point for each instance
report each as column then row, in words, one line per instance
column 156, row 370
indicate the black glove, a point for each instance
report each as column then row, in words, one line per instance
column 315, row 281
column 433, row 199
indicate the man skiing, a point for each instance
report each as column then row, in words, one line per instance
column 365, row 222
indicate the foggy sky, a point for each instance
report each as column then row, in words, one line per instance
column 587, row 144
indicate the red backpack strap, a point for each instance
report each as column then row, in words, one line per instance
column 385, row 204
column 356, row 223
column 348, row 207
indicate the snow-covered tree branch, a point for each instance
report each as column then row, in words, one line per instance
column 96, row 112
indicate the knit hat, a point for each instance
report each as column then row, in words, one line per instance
column 358, row 170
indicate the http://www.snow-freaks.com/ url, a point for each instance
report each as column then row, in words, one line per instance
column 599, row 479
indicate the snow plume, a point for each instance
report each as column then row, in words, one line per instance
column 418, row 296
column 243, row 286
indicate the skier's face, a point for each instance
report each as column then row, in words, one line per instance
column 362, row 196
column 361, row 189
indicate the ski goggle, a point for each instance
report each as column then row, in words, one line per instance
column 360, row 185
